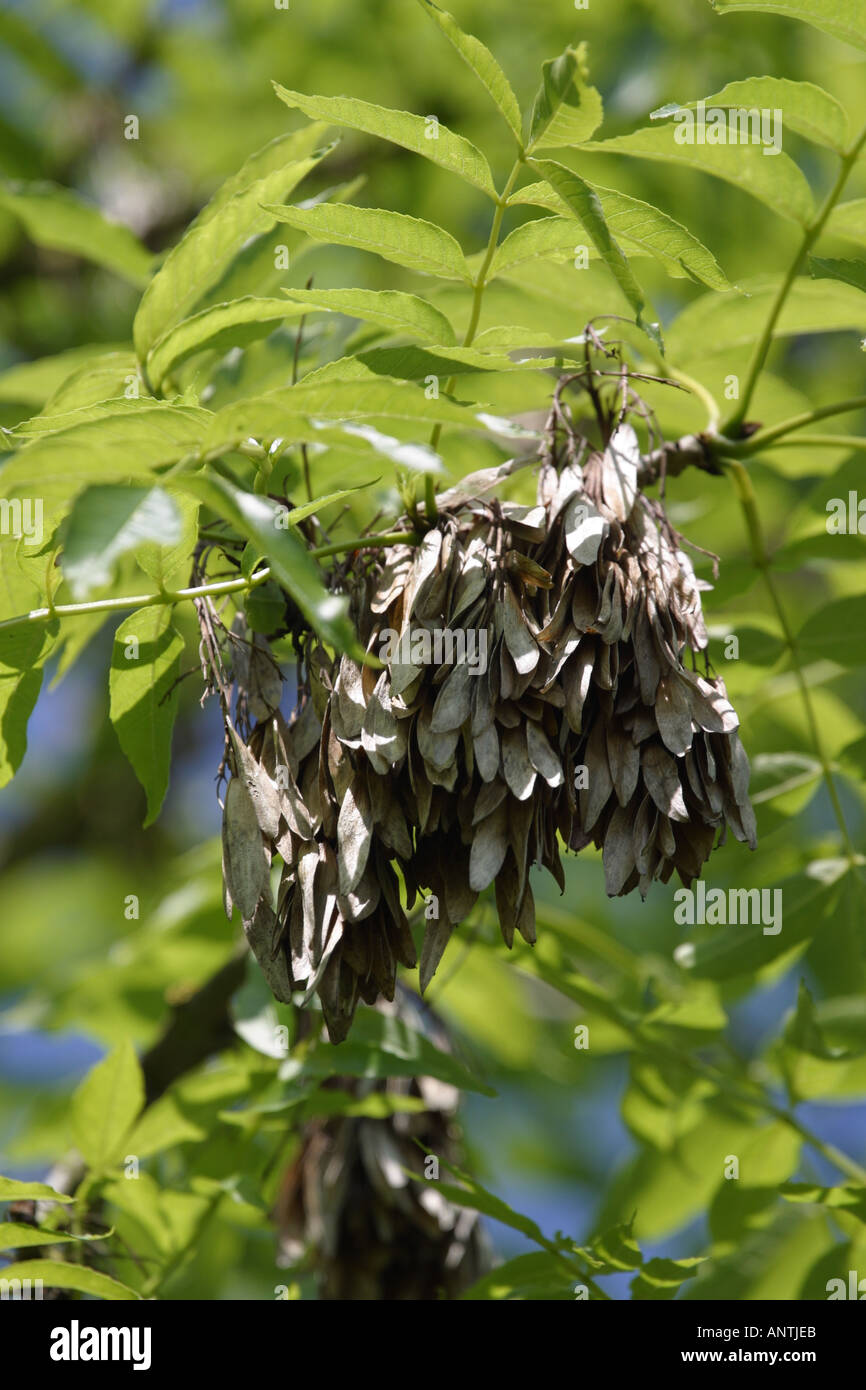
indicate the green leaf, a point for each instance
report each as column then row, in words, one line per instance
column 18, row 696
column 846, row 220
column 272, row 158
column 617, row 1250
column 263, row 522
column 380, row 1046
column 123, row 446
column 164, row 1125
column 835, row 633
column 379, row 1105
column 844, row 19
column 584, row 203
column 210, row 244
column 482, row 62
column 849, row 272
column 14, row 1190
column 401, row 313
column 847, row 1199
column 107, row 522
column 170, row 563
column 103, row 377
column 55, row 1275
column 16, row 1236
column 661, row 1279
column 545, row 237
column 412, row 363
column 106, row 1106
column 143, row 697
column 566, row 110
column 643, row 228
column 538, row 1275
column 731, row 952
column 814, row 1070
column 287, row 412
column 775, row 180
column 318, row 504
column 34, row 383
column 60, row 219
column 476, row 1198
column 219, row 328
column 734, row 322
column 407, row 241
column 808, row 109
column 44, row 423
column 416, row 133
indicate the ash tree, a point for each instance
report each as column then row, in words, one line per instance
column 423, row 543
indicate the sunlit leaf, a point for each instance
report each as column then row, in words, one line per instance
column 421, row 134
column 482, row 62
column 145, row 664
column 849, row 272
column 774, row 179
column 235, row 214
column 802, row 107
column 55, row 1275
column 644, row 228
column 105, row 1107
column 408, row 241
column 844, row 19
column 105, row 523
column 567, row 111
column 585, row 204
column 62, row 220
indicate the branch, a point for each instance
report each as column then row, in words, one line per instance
column 811, row 234
column 227, row 586
column 763, row 438
column 760, row 554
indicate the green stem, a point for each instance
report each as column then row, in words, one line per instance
column 111, row 605
column 823, row 441
column 811, row 233
column 226, row 586
column 748, row 502
column 699, row 390
column 478, row 288
column 367, row 543
column 763, row 438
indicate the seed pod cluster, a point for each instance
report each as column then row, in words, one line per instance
column 540, row 682
column 348, row 1200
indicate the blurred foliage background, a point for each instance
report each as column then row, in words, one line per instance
column 580, row 1140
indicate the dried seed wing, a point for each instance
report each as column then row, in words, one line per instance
column 437, row 934
column 263, row 792
column 488, row 849
column 245, row 860
column 622, row 460
column 452, row 707
column 517, row 770
column 354, row 835
column 521, row 645
column 542, row 755
column 261, row 930
column 674, row 714
column 662, row 781
column 584, row 529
